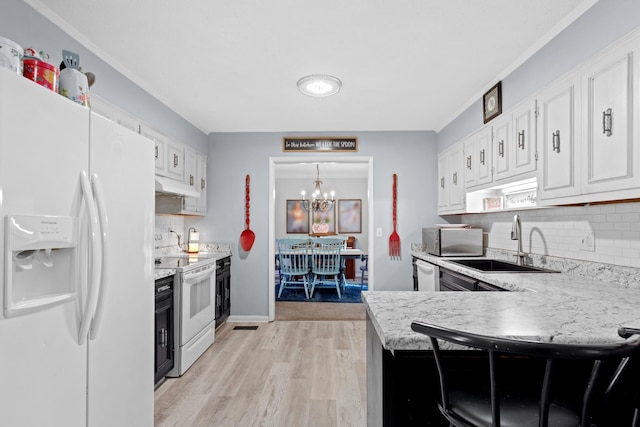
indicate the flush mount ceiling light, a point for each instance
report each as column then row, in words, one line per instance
column 319, row 85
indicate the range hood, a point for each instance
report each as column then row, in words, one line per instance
column 174, row 188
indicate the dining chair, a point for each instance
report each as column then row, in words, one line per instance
column 326, row 262
column 512, row 399
column 364, row 271
column 293, row 256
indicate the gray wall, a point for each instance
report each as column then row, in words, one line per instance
column 22, row 24
column 412, row 155
column 601, row 25
column 345, row 188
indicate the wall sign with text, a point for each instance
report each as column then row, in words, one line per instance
column 311, row 144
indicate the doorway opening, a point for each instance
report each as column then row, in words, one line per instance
column 277, row 166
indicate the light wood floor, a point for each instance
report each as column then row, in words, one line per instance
column 293, row 310
column 285, row 373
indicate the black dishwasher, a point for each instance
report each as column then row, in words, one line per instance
column 164, row 340
column 452, row 281
column 223, row 290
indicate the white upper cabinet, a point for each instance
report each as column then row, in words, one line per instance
column 514, row 144
column 169, row 155
column 477, row 157
column 524, row 141
column 558, row 133
column 195, row 178
column 202, row 183
column 451, row 194
column 502, row 149
column 579, row 136
column 610, row 161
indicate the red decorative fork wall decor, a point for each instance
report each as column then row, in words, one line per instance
column 394, row 238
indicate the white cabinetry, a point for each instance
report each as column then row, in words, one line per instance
column 515, row 142
column 451, row 195
column 477, row 158
column 558, row 133
column 588, row 127
column 610, row 161
column 169, row 155
column 175, row 160
column 502, row 150
column 195, row 178
column 202, row 183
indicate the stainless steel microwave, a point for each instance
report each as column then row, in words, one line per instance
column 452, row 241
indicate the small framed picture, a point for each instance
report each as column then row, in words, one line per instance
column 492, row 103
column 297, row 218
column 350, row 216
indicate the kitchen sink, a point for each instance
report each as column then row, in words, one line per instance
column 499, row 266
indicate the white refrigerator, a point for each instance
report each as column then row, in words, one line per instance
column 76, row 261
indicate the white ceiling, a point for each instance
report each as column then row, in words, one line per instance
column 232, row 66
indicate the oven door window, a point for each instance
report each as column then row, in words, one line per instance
column 198, row 308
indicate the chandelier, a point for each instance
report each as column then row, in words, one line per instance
column 317, row 204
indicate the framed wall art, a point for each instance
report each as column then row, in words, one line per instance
column 297, row 218
column 492, row 103
column 350, row 216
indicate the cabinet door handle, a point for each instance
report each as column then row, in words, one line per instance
column 202, row 183
column 482, row 157
column 156, row 152
column 521, row 140
column 607, row 122
column 455, row 178
column 175, row 160
column 191, row 180
column 501, row 148
column 469, row 162
column 556, row 141
column 442, row 182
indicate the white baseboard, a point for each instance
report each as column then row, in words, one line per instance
column 248, row 319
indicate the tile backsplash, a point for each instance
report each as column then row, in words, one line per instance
column 566, row 232
column 163, row 238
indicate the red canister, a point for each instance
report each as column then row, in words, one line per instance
column 41, row 72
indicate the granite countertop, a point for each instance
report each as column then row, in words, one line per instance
column 545, row 306
column 161, row 273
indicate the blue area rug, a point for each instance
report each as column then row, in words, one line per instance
column 350, row 294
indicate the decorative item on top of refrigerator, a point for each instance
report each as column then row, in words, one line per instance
column 36, row 68
column 11, row 55
column 73, row 82
column 38, row 249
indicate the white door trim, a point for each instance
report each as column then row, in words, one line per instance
column 272, row 191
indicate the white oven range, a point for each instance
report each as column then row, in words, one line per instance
column 194, row 301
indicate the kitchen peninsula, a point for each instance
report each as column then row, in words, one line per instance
column 542, row 306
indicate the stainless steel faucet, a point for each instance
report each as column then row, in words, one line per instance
column 516, row 234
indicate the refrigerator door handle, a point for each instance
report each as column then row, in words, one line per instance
column 104, row 227
column 93, row 289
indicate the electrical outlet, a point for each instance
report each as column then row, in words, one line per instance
column 588, row 241
column 379, row 232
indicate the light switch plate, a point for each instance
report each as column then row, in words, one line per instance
column 379, row 232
